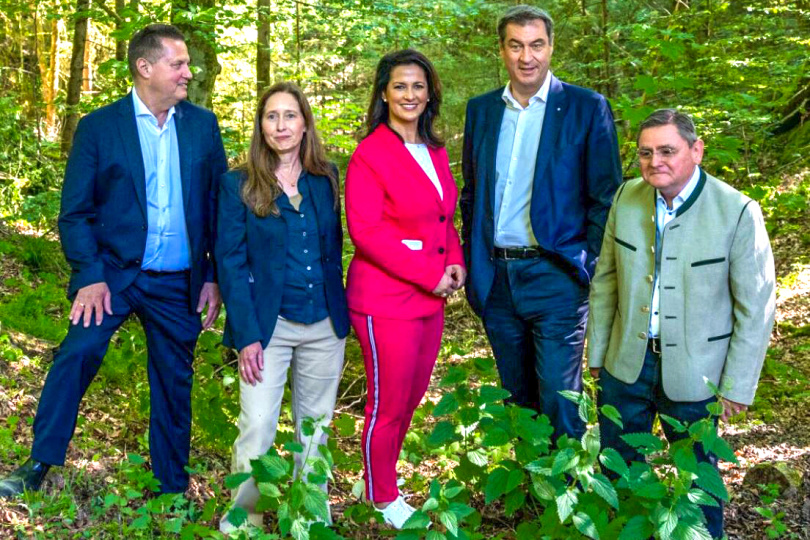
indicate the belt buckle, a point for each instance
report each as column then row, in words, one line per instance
column 656, row 345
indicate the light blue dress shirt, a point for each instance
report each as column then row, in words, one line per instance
column 167, row 246
column 663, row 216
column 516, row 158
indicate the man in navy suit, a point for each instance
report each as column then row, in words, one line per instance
column 137, row 228
column 540, row 167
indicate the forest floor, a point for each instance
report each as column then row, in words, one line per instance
column 75, row 500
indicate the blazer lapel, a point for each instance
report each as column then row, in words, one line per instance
column 185, row 145
column 556, row 107
column 404, row 156
column 128, row 129
column 494, row 118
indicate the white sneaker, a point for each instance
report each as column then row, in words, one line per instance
column 397, row 513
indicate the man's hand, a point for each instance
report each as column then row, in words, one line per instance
column 731, row 408
column 95, row 297
column 595, row 372
column 209, row 295
column 445, row 286
column 457, row 274
column 251, row 363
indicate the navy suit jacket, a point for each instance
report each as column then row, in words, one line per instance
column 576, row 174
column 103, row 221
column 251, row 253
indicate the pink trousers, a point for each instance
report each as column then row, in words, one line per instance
column 399, row 357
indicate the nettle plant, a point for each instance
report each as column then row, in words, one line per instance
column 297, row 501
column 558, row 492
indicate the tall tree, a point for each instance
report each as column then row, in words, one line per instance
column 262, row 46
column 200, row 31
column 74, row 87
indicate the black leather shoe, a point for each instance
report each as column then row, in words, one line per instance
column 28, row 477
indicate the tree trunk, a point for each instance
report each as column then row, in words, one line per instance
column 120, row 43
column 74, row 88
column 49, row 74
column 203, row 53
column 607, row 86
column 87, row 71
column 262, row 47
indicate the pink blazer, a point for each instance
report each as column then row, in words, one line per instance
column 389, row 198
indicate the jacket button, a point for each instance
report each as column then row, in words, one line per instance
column 442, row 219
column 642, row 335
column 649, row 279
column 645, row 309
column 143, row 227
column 441, row 250
column 137, row 261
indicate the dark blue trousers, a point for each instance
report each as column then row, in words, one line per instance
column 161, row 304
column 535, row 319
column 638, row 403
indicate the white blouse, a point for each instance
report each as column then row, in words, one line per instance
column 422, row 156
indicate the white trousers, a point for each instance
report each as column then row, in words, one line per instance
column 315, row 354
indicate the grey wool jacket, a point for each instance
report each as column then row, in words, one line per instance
column 717, row 291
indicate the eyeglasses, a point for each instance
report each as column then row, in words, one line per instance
column 666, row 152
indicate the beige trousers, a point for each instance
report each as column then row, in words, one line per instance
column 315, row 354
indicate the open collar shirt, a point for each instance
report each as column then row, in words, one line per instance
column 663, row 215
column 167, row 245
column 516, row 157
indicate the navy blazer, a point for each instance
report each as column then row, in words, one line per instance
column 251, row 254
column 103, row 221
column 576, row 174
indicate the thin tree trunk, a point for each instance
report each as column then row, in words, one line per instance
column 262, row 46
column 48, row 70
column 74, row 88
column 298, row 43
column 87, row 71
column 120, row 43
column 203, row 53
column 607, row 86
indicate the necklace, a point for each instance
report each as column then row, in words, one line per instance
column 289, row 177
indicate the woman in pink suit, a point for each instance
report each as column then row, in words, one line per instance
column 400, row 201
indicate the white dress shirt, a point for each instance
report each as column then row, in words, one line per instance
column 663, row 216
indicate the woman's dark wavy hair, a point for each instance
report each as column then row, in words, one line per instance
column 378, row 109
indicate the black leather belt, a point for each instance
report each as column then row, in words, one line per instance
column 165, row 274
column 655, row 345
column 518, row 253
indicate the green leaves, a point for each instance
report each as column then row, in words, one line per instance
column 611, row 459
column 232, row 481
column 646, row 443
column 602, row 486
column 566, row 503
column 709, row 480
column 496, row 484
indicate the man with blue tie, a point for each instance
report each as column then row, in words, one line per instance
column 540, row 166
column 137, row 225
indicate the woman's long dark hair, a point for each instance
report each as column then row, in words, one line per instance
column 261, row 189
column 378, row 109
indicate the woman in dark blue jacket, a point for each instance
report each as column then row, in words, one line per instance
column 279, row 262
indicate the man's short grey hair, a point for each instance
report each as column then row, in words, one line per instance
column 523, row 15
column 666, row 117
column 148, row 43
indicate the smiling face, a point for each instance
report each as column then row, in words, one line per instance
column 283, row 124
column 407, row 95
column 666, row 159
column 166, row 79
column 526, row 52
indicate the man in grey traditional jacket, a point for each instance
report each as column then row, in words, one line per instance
column 683, row 293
